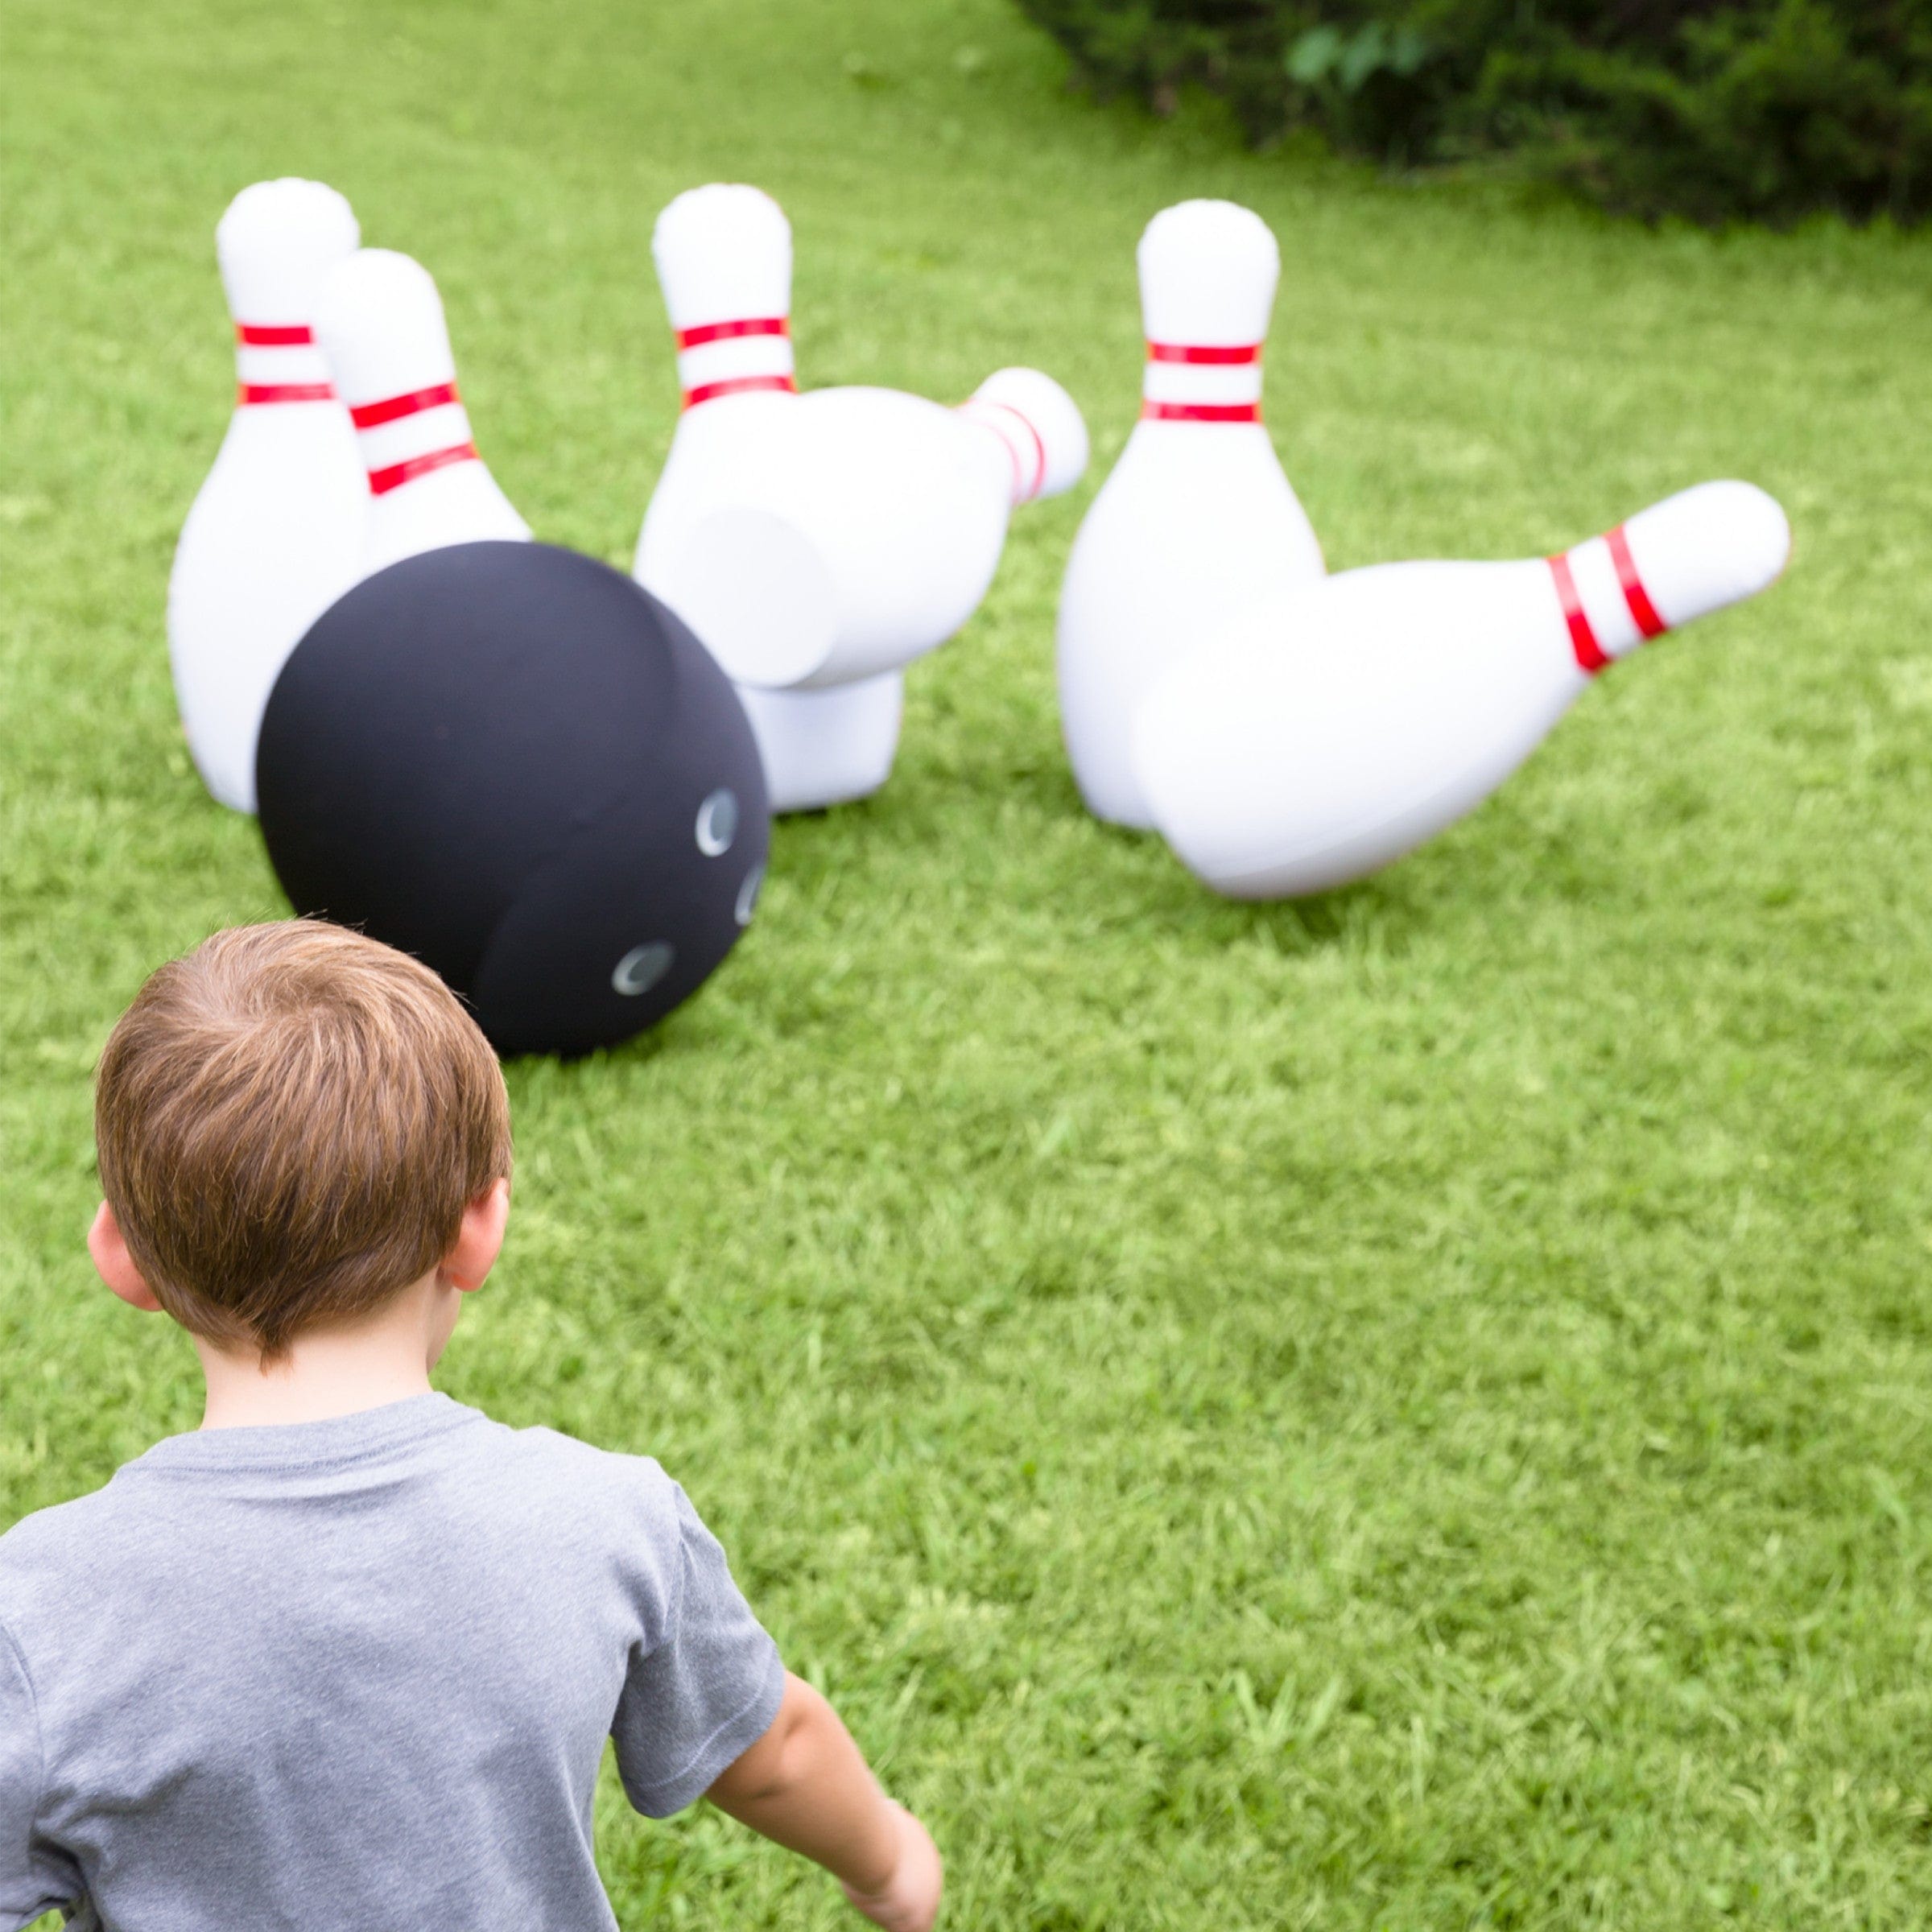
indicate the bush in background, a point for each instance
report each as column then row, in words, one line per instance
column 1768, row 110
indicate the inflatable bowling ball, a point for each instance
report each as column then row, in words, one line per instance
column 514, row 763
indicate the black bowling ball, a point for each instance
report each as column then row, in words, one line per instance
column 513, row 762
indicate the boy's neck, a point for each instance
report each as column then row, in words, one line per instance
column 385, row 1359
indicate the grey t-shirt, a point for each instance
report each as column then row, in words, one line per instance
column 357, row 1675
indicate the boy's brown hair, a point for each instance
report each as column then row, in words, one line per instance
column 291, row 1122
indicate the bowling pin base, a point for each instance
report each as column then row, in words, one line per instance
column 822, row 748
column 756, row 589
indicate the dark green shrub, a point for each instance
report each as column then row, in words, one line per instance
column 1712, row 109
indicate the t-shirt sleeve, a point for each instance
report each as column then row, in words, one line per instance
column 703, row 1695
column 32, row 1880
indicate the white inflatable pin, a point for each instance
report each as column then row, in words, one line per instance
column 1329, row 731
column 381, row 326
column 276, row 533
column 1196, row 518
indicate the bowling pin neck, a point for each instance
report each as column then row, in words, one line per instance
column 1025, row 447
column 405, row 436
column 1704, row 548
column 278, row 362
column 737, row 356
column 1606, row 608
column 1038, row 428
column 1202, row 382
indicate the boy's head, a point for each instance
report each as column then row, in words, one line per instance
column 291, row 1122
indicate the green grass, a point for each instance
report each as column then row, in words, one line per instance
column 1407, row 1411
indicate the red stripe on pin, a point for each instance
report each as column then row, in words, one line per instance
column 392, row 408
column 1642, row 611
column 283, row 392
column 274, row 335
column 1590, row 655
column 1200, row 412
column 1024, row 489
column 1208, row 355
column 726, row 331
column 707, row 392
column 383, row 481
column 1039, row 453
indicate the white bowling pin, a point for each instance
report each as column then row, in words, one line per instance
column 1328, row 731
column 1197, row 519
column 871, row 530
column 275, row 534
column 380, row 323
column 723, row 254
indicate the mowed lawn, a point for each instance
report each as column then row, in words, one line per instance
column 1410, row 1411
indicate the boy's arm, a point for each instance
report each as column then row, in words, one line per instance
column 30, row 1881
column 805, row 1786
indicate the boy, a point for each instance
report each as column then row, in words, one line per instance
column 345, row 1660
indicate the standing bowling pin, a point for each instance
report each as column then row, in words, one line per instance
column 380, row 323
column 723, row 254
column 1329, row 731
column 275, row 534
column 1197, row 519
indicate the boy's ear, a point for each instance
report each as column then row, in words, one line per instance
column 479, row 1240
column 116, row 1265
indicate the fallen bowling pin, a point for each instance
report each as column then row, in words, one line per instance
column 870, row 531
column 1327, row 732
column 275, row 534
column 723, row 254
column 380, row 322
column 1197, row 519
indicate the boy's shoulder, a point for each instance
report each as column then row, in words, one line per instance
column 562, row 1472
column 59, row 1561
column 92, row 1520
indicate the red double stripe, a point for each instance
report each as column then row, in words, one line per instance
column 726, row 331
column 383, row 481
column 274, row 335
column 283, row 392
column 706, row 392
column 1591, row 656
column 1207, row 355
column 393, row 408
column 1200, row 412
column 1025, row 489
